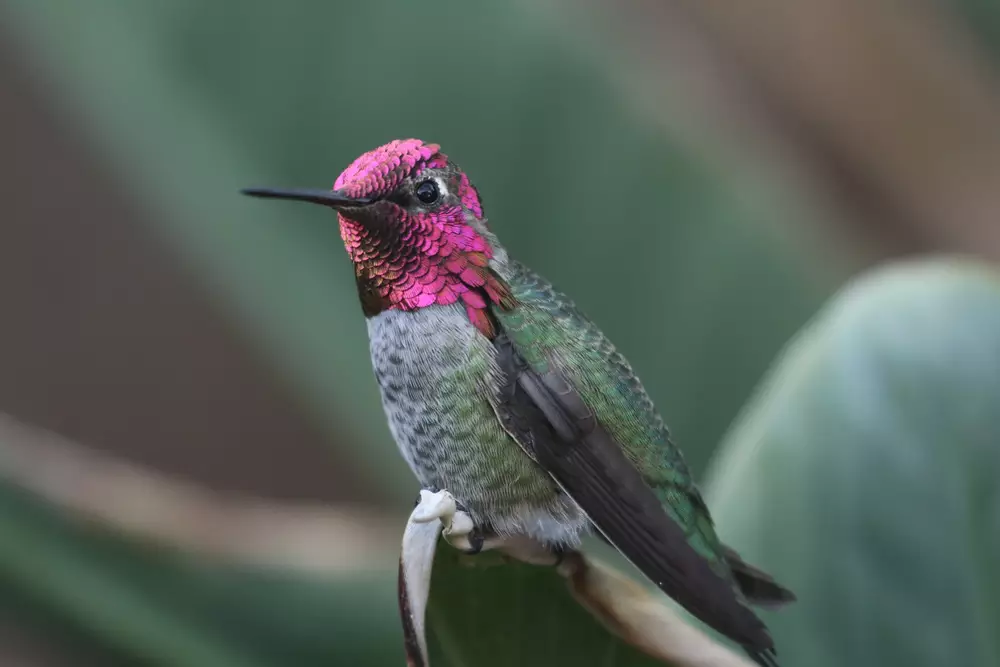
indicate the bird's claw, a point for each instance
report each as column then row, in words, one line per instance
column 476, row 541
column 462, row 533
column 458, row 526
column 422, row 495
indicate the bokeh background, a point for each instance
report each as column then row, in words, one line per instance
column 701, row 177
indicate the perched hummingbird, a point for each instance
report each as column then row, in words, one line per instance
column 498, row 389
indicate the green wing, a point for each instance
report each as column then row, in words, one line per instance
column 573, row 403
column 547, row 328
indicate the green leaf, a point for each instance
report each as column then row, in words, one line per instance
column 864, row 475
column 136, row 604
column 187, row 106
column 485, row 610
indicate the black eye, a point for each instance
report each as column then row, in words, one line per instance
column 428, row 192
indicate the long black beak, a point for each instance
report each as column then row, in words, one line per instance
column 329, row 198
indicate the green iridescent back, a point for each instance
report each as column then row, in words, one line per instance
column 547, row 327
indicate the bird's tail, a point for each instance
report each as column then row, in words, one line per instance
column 766, row 658
column 758, row 587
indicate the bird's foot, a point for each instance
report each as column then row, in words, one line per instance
column 459, row 528
column 466, row 536
column 462, row 532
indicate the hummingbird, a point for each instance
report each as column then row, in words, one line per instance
column 498, row 388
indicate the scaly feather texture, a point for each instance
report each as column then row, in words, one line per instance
column 548, row 328
column 607, row 447
column 410, row 259
column 497, row 388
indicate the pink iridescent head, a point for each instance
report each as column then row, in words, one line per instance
column 413, row 225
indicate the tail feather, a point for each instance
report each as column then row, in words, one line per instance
column 757, row 586
column 767, row 658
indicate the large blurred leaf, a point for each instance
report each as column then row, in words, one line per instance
column 191, row 100
column 865, row 475
column 983, row 19
column 488, row 612
column 134, row 604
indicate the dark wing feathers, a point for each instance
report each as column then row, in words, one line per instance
column 554, row 424
column 757, row 586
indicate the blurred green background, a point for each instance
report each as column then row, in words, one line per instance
column 701, row 179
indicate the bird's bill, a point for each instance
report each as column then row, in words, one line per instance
column 330, row 198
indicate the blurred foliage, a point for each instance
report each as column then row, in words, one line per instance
column 128, row 603
column 193, row 100
column 862, row 475
column 983, row 18
column 865, row 474
column 485, row 610
column 869, row 450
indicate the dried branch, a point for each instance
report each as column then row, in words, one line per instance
column 883, row 115
column 179, row 515
column 639, row 618
column 894, row 95
column 630, row 611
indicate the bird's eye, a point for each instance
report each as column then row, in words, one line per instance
column 428, row 192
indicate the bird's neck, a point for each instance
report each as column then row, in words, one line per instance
column 424, row 266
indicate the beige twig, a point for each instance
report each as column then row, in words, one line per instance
column 894, row 93
column 178, row 514
column 183, row 516
column 637, row 616
column 642, row 619
column 880, row 115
